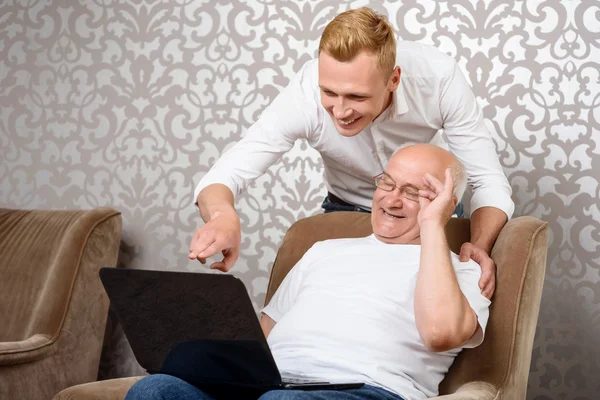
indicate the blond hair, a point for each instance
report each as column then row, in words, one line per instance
column 362, row 29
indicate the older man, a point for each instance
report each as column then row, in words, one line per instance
column 391, row 309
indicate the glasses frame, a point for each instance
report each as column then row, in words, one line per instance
column 402, row 189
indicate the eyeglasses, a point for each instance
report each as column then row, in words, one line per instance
column 385, row 182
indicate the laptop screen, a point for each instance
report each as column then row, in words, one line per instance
column 161, row 309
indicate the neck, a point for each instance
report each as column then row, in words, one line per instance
column 402, row 240
column 386, row 104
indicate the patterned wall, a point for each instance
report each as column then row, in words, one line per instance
column 128, row 103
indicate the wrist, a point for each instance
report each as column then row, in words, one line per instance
column 483, row 245
column 431, row 226
column 224, row 210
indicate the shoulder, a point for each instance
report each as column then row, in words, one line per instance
column 307, row 81
column 418, row 60
column 309, row 73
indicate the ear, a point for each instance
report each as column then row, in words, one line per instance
column 394, row 79
column 454, row 204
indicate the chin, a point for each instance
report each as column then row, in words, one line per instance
column 352, row 129
column 349, row 132
column 388, row 232
column 387, row 239
column 394, row 234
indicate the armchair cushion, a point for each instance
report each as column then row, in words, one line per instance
column 112, row 389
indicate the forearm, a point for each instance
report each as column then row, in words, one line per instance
column 213, row 199
column 486, row 224
column 443, row 315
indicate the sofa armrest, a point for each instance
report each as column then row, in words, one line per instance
column 111, row 389
column 34, row 348
column 476, row 390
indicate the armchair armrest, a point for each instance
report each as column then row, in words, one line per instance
column 476, row 390
column 112, row 389
column 34, row 348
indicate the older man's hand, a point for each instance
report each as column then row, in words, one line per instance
column 487, row 282
column 436, row 205
column 437, row 201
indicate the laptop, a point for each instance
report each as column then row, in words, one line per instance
column 199, row 327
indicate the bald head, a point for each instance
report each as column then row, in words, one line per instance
column 420, row 159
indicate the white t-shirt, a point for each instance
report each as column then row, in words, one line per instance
column 345, row 312
column 433, row 97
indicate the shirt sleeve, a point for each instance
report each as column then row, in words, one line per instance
column 467, row 275
column 469, row 139
column 286, row 294
column 294, row 114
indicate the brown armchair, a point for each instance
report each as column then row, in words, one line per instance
column 53, row 308
column 498, row 369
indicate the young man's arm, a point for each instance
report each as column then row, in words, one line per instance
column 221, row 232
column 294, row 114
column 486, row 224
column 471, row 142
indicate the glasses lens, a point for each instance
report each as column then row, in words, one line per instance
column 384, row 182
column 410, row 194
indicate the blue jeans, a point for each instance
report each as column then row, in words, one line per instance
column 167, row 387
column 328, row 207
column 339, row 205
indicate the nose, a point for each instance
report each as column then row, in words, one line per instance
column 394, row 199
column 341, row 110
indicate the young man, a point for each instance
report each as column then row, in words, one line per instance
column 391, row 309
column 356, row 107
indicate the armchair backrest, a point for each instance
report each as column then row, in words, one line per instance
column 520, row 256
column 40, row 252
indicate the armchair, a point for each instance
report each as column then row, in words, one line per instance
column 498, row 369
column 53, row 308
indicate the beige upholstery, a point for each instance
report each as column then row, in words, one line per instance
column 53, row 308
column 113, row 389
column 499, row 368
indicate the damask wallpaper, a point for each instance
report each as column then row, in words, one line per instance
column 128, row 104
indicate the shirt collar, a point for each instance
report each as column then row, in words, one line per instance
column 398, row 106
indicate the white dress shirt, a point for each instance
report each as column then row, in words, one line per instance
column 433, row 94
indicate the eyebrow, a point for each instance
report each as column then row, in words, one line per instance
column 411, row 186
column 348, row 94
